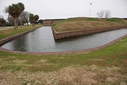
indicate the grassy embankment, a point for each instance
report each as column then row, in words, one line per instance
column 77, row 24
column 12, row 31
column 107, row 66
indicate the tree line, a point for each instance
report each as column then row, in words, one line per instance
column 17, row 16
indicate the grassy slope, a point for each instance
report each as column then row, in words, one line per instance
column 75, row 24
column 11, row 31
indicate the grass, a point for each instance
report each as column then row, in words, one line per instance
column 76, row 24
column 13, row 31
column 111, row 55
column 106, row 66
column 114, row 20
column 115, row 55
column 65, row 69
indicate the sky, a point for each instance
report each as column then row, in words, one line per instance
column 51, row 9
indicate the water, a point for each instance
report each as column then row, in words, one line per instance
column 42, row 40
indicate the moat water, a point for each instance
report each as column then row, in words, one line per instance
column 42, row 40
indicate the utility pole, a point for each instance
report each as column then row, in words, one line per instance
column 90, row 10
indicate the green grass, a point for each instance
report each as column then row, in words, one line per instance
column 114, row 19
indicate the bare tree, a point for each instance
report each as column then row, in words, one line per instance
column 24, row 17
column 100, row 14
column 107, row 14
column 10, row 20
column 104, row 14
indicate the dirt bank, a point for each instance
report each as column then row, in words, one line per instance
column 84, row 26
column 62, row 35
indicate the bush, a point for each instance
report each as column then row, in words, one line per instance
column 114, row 19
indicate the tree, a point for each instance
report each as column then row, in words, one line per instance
column 107, row 14
column 33, row 18
column 40, row 21
column 15, row 10
column 10, row 20
column 36, row 17
column 104, row 14
column 100, row 14
column 2, row 22
column 24, row 18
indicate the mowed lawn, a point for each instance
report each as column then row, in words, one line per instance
column 107, row 66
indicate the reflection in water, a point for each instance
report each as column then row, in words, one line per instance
column 41, row 40
column 21, row 43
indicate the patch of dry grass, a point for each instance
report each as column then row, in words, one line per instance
column 78, row 24
column 86, row 75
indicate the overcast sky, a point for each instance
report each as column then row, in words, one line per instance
column 69, row 8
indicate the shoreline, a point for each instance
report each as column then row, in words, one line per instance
column 10, row 38
column 65, row 52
